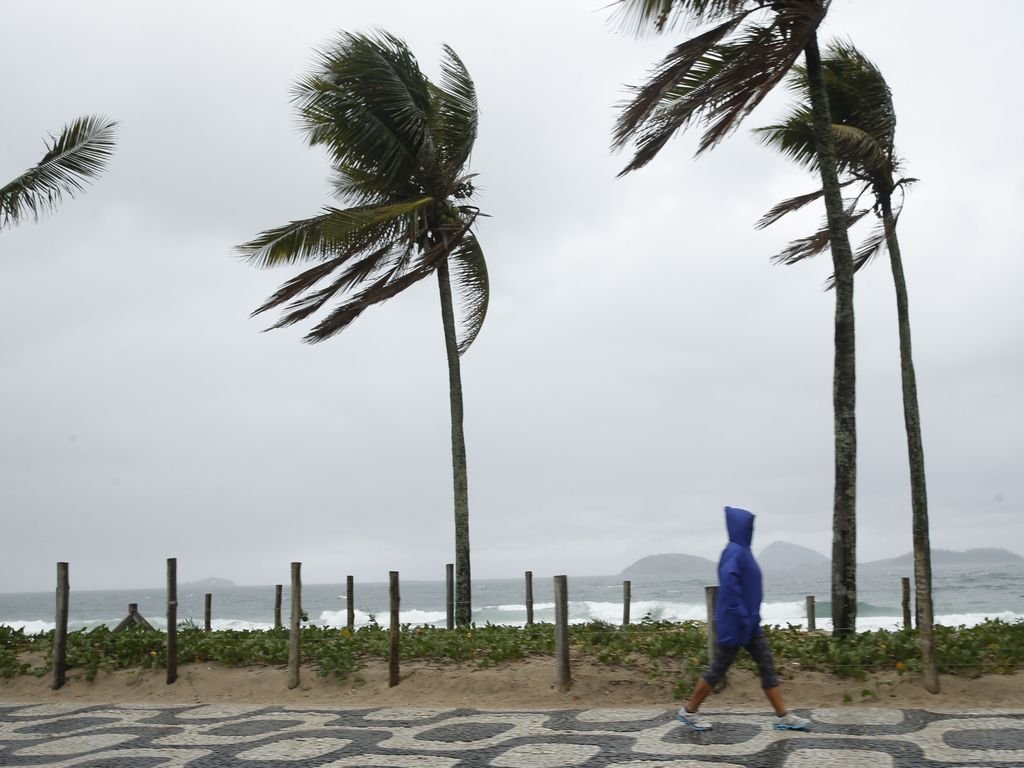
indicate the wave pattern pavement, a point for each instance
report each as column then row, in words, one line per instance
column 217, row 736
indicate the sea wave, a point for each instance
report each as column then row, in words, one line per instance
column 783, row 614
column 361, row 618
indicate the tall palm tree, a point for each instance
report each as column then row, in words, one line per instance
column 864, row 126
column 77, row 155
column 716, row 79
column 399, row 146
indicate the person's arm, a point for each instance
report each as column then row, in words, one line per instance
column 730, row 594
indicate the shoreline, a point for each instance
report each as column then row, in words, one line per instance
column 526, row 684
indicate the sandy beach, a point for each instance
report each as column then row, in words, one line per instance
column 522, row 684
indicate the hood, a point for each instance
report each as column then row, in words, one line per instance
column 740, row 525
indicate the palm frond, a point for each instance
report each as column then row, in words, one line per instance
column 76, row 156
column 873, row 245
column 861, row 151
column 379, row 290
column 787, row 206
column 306, row 280
column 295, row 241
column 301, row 282
column 381, row 263
column 793, row 137
column 398, row 145
column 860, row 93
column 369, row 104
column 468, row 271
column 333, row 232
column 757, row 63
column 457, row 114
column 863, row 118
column 640, row 16
column 814, row 244
column 668, row 84
column 716, row 82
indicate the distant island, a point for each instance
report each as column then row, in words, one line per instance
column 782, row 555
column 210, row 583
column 670, row 564
column 980, row 555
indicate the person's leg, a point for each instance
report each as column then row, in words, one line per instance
column 701, row 692
column 759, row 649
column 775, row 699
column 724, row 657
column 761, row 652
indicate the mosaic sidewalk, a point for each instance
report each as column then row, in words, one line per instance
column 260, row 737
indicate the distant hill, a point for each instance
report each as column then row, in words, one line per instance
column 670, row 564
column 941, row 557
column 781, row 556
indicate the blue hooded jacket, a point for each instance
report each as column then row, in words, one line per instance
column 740, row 589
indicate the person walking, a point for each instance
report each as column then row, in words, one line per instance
column 738, row 623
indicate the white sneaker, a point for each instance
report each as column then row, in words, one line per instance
column 689, row 719
column 791, row 722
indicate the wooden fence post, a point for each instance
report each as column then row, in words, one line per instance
column 133, row 619
column 60, row 632
column 172, row 619
column 811, row 626
column 295, row 627
column 711, row 598
column 350, row 601
column 626, row 590
column 449, row 585
column 562, row 675
column 277, row 606
column 393, row 668
column 208, row 612
column 529, row 598
column 906, row 602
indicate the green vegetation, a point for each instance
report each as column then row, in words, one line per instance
column 674, row 653
column 76, row 156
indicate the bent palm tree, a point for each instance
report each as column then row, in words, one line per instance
column 864, row 126
column 78, row 155
column 715, row 79
column 399, row 145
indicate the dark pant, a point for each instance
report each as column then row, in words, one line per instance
column 759, row 651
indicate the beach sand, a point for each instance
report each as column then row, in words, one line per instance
column 528, row 684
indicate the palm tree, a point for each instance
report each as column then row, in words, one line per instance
column 716, row 79
column 864, row 126
column 399, row 146
column 73, row 158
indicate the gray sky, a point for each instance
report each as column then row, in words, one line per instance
column 642, row 363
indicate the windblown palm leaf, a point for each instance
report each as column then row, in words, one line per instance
column 864, row 128
column 399, row 145
column 75, row 157
column 717, row 78
column 863, row 118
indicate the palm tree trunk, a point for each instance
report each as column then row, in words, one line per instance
column 463, row 600
column 915, row 454
column 844, row 501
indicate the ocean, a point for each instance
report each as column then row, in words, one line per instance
column 964, row 595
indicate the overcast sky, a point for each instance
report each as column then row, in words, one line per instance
column 642, row 364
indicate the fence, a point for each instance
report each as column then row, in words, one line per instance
column 561, row 620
